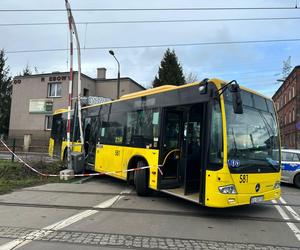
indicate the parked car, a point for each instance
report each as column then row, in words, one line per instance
column 290, row 161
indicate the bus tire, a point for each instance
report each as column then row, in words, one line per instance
column 141, row 180
column 297, row 180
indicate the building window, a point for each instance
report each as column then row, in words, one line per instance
column 54, row 89
column 284, row 119
column 48, row 122
column 284, row 99
column 290, row 117
column 86, row 92
column 293, row 92
column 293, row 114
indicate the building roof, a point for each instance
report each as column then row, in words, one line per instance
column 93, row 79
column 42, row 74
column 121, row 78
column 281, row 86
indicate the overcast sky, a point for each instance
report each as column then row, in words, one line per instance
column 256, row 66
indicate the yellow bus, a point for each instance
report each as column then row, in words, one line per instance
column 216, row 143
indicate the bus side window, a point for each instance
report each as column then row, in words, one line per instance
column 142, row 128
column 112, row 130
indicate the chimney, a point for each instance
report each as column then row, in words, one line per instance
column 101, row 73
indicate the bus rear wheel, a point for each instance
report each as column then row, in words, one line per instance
column 141, row 178
column 297, row 180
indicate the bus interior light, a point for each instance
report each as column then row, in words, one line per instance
column 229, row 189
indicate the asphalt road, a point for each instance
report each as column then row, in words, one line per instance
column 106, row 213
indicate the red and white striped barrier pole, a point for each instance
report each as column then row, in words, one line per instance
column 73, row 30
column 70, row 85
column 77, row 175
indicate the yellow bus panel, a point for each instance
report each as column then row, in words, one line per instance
column 51, row 147
column 111, row 158
column 216, row 179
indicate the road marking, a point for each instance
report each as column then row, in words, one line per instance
column 291, row 225
column 61, row 224
column 290, row 209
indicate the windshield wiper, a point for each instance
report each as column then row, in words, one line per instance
column 234, row 142
column 262, row 162
column 273, row 163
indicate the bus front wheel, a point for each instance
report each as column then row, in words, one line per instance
column 141, row 178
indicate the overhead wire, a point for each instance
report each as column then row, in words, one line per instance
column 153, row 9
column 153, row 21
column 159, row 45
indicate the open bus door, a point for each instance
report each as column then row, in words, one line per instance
column 192, row 157
column 58, row 133
column 182, row 148
column 172, row 139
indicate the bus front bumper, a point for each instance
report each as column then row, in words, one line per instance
column 229, row 200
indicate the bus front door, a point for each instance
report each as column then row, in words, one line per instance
column 191, row 150
column 57, row 133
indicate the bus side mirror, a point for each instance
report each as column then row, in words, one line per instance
column 203, row 86
column 236, row 98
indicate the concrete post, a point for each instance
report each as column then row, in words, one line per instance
column 27, row 142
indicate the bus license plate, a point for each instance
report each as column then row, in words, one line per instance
column 256, row 199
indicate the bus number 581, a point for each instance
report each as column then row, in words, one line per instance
column 243, row 178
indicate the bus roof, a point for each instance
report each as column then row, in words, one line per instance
column 148, row 91
column 256, row 93
column 160, row 89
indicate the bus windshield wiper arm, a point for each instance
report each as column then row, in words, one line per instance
column 267, row 162
column 234, row 142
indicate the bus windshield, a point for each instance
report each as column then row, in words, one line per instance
column 252, row 137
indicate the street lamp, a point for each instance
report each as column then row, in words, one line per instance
column 118, row 91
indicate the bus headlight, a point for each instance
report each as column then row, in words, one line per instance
column 229, row 189
column 277, row 185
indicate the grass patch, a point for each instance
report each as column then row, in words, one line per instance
column 14, row 175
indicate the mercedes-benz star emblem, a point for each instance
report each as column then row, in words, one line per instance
column 257, row 187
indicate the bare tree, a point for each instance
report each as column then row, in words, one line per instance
column 286, row 68
column 191, row 77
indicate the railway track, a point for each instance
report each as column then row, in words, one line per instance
column 196, row 214
column 158, row 195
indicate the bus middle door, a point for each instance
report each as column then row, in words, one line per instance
column 170, row 149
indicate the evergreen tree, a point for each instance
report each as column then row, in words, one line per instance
column 170, row 71
column 5, row 94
